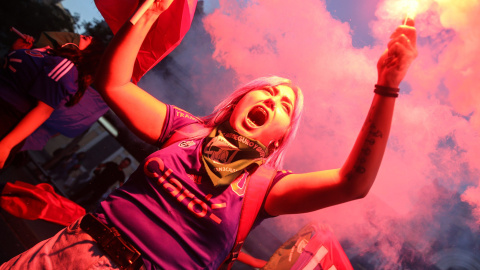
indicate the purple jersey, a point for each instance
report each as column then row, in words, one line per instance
column 31, row 75
column 170, row 209
column 68, row 121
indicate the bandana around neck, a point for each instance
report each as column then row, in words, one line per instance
column 226, row 153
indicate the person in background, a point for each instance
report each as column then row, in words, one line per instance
column 68, row 121
column 35, row 82
column 106, row 175
column 52, row 40
column 71, row 161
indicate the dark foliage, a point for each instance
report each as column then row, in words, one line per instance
column 98, row 29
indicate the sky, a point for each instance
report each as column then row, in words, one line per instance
column 88, row 12
column 86, row 9
column 329, row 48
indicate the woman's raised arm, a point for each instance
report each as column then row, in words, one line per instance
column 298, row 193
column 140, row 111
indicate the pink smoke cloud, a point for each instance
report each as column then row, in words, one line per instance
column 471, row 196
column 450, row 62
column 436, row 128
column 305, row 43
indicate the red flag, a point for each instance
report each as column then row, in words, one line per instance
column 165, row 35
column 27, row 201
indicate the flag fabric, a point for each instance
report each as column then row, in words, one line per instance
column 314, row 247
column 39, row 201
column 164, row 36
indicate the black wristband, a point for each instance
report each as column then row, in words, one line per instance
column 386, row 91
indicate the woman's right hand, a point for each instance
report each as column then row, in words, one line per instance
column 396, row 59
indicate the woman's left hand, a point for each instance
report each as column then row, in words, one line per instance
column 21, row 43
column 395, row 61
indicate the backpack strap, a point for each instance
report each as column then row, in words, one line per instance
column 257, row 186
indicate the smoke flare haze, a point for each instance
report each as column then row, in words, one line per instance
column 428, row 183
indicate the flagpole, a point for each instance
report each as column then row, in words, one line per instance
column 143, row 8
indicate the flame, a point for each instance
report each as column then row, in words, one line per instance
column 411, row 8
column 403, row 8
column 452, row 14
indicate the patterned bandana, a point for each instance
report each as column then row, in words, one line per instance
column 226, row 153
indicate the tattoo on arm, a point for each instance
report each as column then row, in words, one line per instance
column 373, row 134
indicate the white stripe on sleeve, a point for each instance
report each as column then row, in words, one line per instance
column 65, row 70
column 59, row 66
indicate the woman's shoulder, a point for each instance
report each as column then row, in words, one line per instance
column 179, row 120
column 58, row 68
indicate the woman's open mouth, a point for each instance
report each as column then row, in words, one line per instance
column 257, row 116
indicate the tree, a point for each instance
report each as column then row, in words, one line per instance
column 98, row 29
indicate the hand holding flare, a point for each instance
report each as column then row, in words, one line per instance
column 24, row 41
column 400, row 53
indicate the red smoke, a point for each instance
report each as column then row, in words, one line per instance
column 436, row 126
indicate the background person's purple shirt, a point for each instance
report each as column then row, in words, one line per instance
column 31, row 75
column 69, row 121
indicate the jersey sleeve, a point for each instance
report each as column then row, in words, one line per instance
column 175, row 119
column 56, row 82
column 262, row 214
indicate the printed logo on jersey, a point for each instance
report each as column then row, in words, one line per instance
column 155, row 168
column 186, row 144
column 34, row 53
column 197, row 179
column 182, row 113
column 239, row 184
